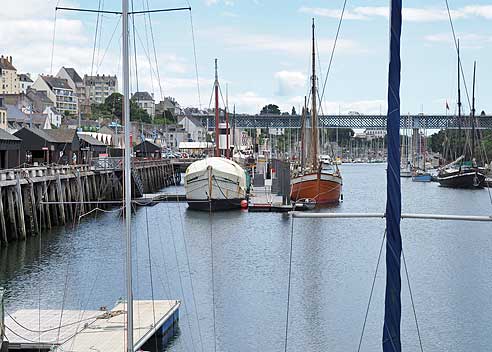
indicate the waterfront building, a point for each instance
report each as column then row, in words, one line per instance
column 9, row 81
column 145, row 101
column 25, row 82
column 9, row 150
column 89, row 147
column 194, row 128
column 77, row 84
column 147, row 149
column 3, row 115
column 17, row 119
column 98, row 88
column 59, row 92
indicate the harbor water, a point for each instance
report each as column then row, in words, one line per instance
column 237, row 297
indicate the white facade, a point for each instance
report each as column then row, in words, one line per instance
column 59, row 92
column 98, row 88
column 192, row 125
column 9, row 82
column 54, row 117
column 25, row 82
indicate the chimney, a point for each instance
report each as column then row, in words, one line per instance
column 10, row 57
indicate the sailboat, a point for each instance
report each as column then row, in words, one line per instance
column 463, row 173
column 216, row 183
column 320, row 181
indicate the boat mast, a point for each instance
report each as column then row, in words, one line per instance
column 227, row 121
column 473, row 112
column 127, row 178
column 459, row 98
column 217, row 134
column 314, row 115
column 303, row 131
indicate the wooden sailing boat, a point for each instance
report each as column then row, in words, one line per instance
column 318, row 181
column 463, row 173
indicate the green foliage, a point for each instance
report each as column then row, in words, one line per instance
column 452, row 144
column 112, row 109
column 293, row 111
column 270, row 109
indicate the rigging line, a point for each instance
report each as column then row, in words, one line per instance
column 457, row 50
column 95, row 37
column 195, row 58
column 150, row 269
column 210, row 220
column 109, row 44
column 411, row 298
column 372, row 290
column 147, row 48
column 53, row 39
column 333, row 49
column 289, row 286
column 100, row 32
column 48, row 330
column 135, row 51
column 181, row 281
column 155, row 52
column 188, row 262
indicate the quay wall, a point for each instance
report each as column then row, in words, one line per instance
column 39, row 198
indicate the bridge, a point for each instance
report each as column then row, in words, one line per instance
column 353, row 121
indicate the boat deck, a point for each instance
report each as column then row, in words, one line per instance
column 73, row 330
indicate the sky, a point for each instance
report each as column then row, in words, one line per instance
column 263, row 50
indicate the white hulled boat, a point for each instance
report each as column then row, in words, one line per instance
column 215, row 184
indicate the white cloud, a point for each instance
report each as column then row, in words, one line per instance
column 365, row 107
column 216, row 2
column 467, row 40
column 237, row 40
column 411, row 14
column 289, row 82
column 249, row 102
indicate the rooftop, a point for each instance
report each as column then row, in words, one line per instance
column 73, row 74
column 24, row 78
column 6, row 63
column 5, row 136
column 142, row 96
column 55, row 82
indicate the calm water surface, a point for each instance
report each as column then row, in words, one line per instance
column 449, row 264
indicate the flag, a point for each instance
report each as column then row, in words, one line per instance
column 447, row 106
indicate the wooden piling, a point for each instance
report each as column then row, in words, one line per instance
column 3, row 238
column 20, row 209
column 61, row 197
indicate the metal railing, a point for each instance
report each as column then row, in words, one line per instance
column 42, row 171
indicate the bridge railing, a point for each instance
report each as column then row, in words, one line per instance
column 117, row 163
column 42, row 171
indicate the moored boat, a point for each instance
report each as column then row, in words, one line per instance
column 421, row 176
column 320, row 181
column 214, row 184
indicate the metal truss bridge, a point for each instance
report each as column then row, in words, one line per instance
column 352, row 121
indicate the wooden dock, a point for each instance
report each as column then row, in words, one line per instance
column 78, row 331
column 262, row 200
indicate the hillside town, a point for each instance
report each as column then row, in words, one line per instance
column 69, row 118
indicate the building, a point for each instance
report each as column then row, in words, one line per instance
column 8, row 76
column 17, row 119
column 25, row 82
column 54, row 116
column 9, row 150
column 47, row 146
column 147, row 149
column 98, row 88
column 374, row 133
column 197, row 148
column 89, row 147
column 168, row 104
column 59, row 92
column 3, row 115
column 77, row 84
column 194, row 127
column 145, row 101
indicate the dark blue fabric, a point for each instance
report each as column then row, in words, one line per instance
column 392, row 304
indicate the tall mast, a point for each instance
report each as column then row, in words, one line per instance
column 314, row 115
column 227, row 121
column 217, row 134
column 127, row 178
column 303, row 132
column 459, row 98
column 473, row 112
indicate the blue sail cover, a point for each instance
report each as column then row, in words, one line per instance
column 392, row 304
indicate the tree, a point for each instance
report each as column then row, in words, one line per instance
column 293, row 111
column 112, row 108
column 270, row 109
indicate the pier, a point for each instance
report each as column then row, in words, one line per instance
column 37, row 198
column 98, row 330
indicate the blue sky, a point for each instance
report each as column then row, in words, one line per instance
column 263, row 50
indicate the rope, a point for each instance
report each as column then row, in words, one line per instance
column 411, row 298
column 456, row 46
column 372, row 290
column 210, row 217
column 95, row 37
column 155, row 52
column 194, row 55
column 333, row 49
column 53, row 39
column 289, row 286
column 150, row 270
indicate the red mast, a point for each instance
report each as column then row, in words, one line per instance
column 217, row 133
column 227, row 123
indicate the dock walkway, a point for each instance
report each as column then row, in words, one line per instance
column 78, row 331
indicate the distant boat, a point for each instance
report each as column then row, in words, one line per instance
column 214, row 184
column 320, row 181
column 463, row 173
column 421, row 176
